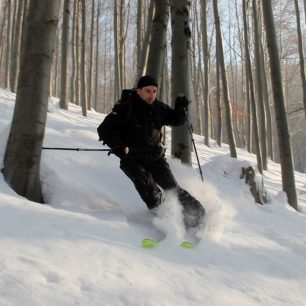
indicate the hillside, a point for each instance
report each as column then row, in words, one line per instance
column 83, row 247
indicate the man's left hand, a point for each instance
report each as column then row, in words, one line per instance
column 181, row 101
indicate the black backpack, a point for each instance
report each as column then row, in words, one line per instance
column 126, row 96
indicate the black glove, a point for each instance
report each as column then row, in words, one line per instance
column 181, row 101
column 120, row 151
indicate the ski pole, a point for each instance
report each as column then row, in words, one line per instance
column 182, row 95
column 195, row 149
column 75, row 149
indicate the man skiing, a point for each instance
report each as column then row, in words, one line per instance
column 133, row 132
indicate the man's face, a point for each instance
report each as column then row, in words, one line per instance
column 148, row 93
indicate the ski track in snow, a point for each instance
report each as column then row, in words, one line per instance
column 83, row 248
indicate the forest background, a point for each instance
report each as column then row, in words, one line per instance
column 102, row 47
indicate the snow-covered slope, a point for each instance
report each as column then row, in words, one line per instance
column 83, row 248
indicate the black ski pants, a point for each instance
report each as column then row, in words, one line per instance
column 149, row 176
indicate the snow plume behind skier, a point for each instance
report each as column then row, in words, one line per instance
column 133, row 132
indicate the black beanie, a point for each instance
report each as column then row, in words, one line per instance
column 146, row 80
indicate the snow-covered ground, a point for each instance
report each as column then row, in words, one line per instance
column 83, row 247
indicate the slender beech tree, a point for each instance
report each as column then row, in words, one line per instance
column 251, row 89
column 83, row 62
column 142, row 66
column 73, row 52
column 158, row 43
column 123, row 28
column 267, row 104
column 2, row 26
column 181, row 35
column 227, row 103
column 8, row 44
column 23, row 151
column 74, row 82
column 97, row 56
column 77, row 54
column 118, row 85
column 301, row 54
column 64, row 56
column 139, row 34
column 260, row 98
column 206, row 73
column 287, row 168
column 218, row 99
column 16, row 45
column 91, row 54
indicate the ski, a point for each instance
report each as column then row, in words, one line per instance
column 150, row 243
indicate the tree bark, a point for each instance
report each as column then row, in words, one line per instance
column 181, row 35
column 83, row 62
column 139, row 34
column 90, row 77
column 251, row 89
column 286, row 160
column 73, row 52
column 260, row 101
column 206, row 76
column 158, row 41
column 118, row 86
column 8, row 45
column 301, row 55
column 23, row 151
column 97, row 56
column 145, row 46
column 227, row 103
column 64, row 56
column 16, row 46
column 218, row 99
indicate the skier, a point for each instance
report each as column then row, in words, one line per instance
column 133, row 132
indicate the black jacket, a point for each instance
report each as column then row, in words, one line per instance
column 137, row 125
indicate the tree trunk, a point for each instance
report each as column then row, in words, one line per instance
column 83, row 61
column 8, row 45
column 77, row 55
column 267, row 105
column 90, row 77
column 73, row 53
column 23, row 151
column 218, row 100
column 145, row 47
column 118, row 86
column 158, row 41
column 139, row 35
column 205, row 59
column 122, row 38
column 2, row 44
column 55, row 65
column 301, row 55
column 97, row 57
column 227, row 103
column 251, row 89
column 64, row 56
column 260, row 101
column 181, row 35
column 16, row 46
column 286, row 160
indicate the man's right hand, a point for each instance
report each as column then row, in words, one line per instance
column 120, row 151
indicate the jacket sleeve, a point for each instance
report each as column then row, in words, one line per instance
column 110, row 129
column 173, row 116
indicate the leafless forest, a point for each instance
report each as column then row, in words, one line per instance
column 223, row 54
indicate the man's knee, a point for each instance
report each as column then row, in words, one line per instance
column 144, row 184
